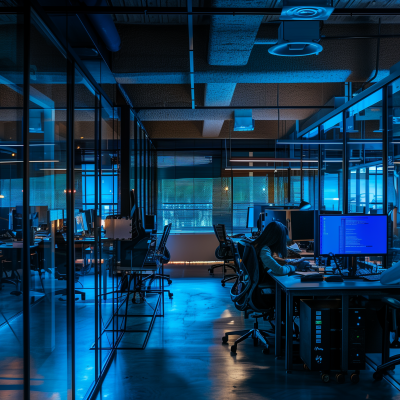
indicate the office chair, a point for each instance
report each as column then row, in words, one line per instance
column 14, row 278
column 248, row 294
column 392, row 361
column 223, row 252
column 164, row 256
column 61, row 268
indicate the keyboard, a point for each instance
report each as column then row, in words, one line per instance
column 374, row 277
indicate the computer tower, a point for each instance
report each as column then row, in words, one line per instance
column 321, row 335
column 315, row 333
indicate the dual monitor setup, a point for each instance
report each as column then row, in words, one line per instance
column 300, row 224
column 333, row 233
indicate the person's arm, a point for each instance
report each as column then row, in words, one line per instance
column 270, row 263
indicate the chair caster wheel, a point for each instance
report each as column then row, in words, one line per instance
column 325, row 378
column 233, row 349
column 355, row 378
column 223, row 284
column 340, row 378
column 170, row 295
column 265, row 351
column 378, row 376
column 169, row 281
column 305, row 367
column 224, row 340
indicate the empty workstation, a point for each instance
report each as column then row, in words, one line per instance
column 199, row 200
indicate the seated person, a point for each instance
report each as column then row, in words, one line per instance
column 272, row 242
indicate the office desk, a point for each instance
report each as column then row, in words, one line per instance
column 292, row 286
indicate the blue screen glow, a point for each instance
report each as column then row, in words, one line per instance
column 358, row 234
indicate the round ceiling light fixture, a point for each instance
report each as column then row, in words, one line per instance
column 295, row 49
column 296, row 39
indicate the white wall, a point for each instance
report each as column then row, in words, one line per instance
column 192, row 247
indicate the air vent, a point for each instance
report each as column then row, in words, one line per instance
column 297, row 38
column 309, row 10
column 243, row 120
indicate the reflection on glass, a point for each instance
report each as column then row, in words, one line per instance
column 85, row 212
column 47, row 171
column 11, row 180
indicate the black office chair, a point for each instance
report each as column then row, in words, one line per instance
column 225, row 252
column 392, row 361
column 61, row 268
column 11, row 276
column 249, row 294
column 10, row 268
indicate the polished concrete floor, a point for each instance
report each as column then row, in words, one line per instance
column 48, row 342
column 186, row 360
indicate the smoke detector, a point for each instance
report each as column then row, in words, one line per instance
column 310, row 10
column 297, row 38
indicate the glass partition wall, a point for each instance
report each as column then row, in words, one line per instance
column 60, row 178
column 359, row 158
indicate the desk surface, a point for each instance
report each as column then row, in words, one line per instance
column 294, row 283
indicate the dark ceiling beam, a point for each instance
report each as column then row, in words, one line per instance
column 235, row 108
column 206, row 11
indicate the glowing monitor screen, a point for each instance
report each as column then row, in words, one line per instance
column 353, row 234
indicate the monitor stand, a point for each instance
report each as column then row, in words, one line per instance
column 351, row 267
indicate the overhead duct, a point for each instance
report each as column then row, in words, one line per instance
column 104, row 25
column 298, row 34
column 230, row 44
column 311, row 10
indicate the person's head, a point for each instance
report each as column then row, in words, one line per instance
column 275, row 237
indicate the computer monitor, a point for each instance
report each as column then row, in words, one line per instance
column 302, row 225
column 261, row 222
column 34, row 217
column 275, row 215
column 250, row 217
column 84, row 222
column 79, row 228
column 4, row 220
column 353, row 235
column 89, row 218
column 151, row 222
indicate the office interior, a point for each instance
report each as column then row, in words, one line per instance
column 144, row 148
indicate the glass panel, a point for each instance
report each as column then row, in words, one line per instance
column 47, row 170
column 11, row 180
column 364, row 122
column 132, row 130
column 84, row 134
column 109, row 183
column 393, row 180
column 364, row 119
column 332, row 159
column 189, row 196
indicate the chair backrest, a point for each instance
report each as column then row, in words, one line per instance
column 164, row 238
column 245, row 293
column 220, row 233
column 242, row 290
